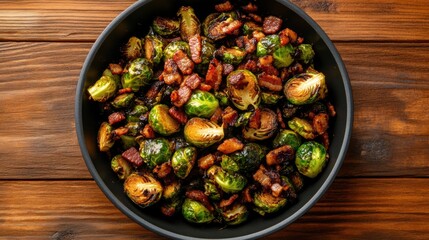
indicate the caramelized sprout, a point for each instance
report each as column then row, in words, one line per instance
column 196, row 212
column 201, row 104
column 143, row 189
column 105, row 137
column 103, row 89
column 243, row 89
column 201, row 132
column 183, row 160
column 189, row 23
column 138, row 74
column 310, row 159
column 166, row 27
column 305, row 88
column 267, row 127
column 161, row 121
column 121, row 167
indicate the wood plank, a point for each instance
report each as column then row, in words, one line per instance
column 343, row 20
column 351, row 209
column 389, row 82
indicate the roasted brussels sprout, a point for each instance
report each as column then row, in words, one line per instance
column 283, row 56
column 310, row 158
column 302, row 127
column 232, row 55
column 306, row 53
column 166, row 27
column 153, row 48
column 171, row 190
column 267, row 45
column 103, row 89
column 250, row 27
column 201, row 132
column 196, row 212
column 189, row 23
column 121, row 167
column 306, row 88
column 297, row 180
column 211, row 191
column 105, row 137
column 201, row 104
column 270, row 98
column 266, row 203
column 136, row 112
column 133, row 128
column 138, row 74
column 243, row 89
column 222, row 97
column 228, row 182
column 161, row 121
column 123, row 100
column 156, row 151
column 267, row 127
column 243, row 119
column 175, row 46
column 183, row 160
column 235, row 214
column 207, row 51
column 246, row 160
column 214, row 23
column 128, row 141
column 287, row 137
column 143, row 189
column 133, row 48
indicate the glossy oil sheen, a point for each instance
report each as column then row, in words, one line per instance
column 135, row 21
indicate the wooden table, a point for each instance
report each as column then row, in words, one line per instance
column 382, row 191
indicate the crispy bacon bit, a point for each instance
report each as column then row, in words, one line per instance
column 325, row 140
column 224, row 7
column 163, row 170
column 231, row 28
column 292, row 70
column 117, row 133
column 250, row 44
column 287, row 35
column 238, row 81
column 250, row 7
column 258, row 35
column 116, row 69
column 227, row 69
column 331, row 109
column 266, row 178
column 280, row 118
column 250, row 65
column 321, row 123
column 174, row 96
column 116, row 117
column 266, row 60
column 154, row 90
column 270, row 82
column 171, row 74
column 227, row 202
column 148, row 132
column 280, row 155
column 217, row 115
column 229, row 116
column 272, row 24
column 178, row 114
column 195, row 45
column 276, row 189
column 255, row 17
column 168, row 210
column 181, row 96
column 255, row 119
column 193, row 81
column 214, row 74
column 230, row 145
column 207, row 161
column 132, row 155
column 205, row 87
column 247, row 196
column 182, row 60
column 124, row 90
column 299, row 40
column 199, row 196
column 269, row 69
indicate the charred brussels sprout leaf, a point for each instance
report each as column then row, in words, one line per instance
column 183, row 160
column 310, row 159
column 267, row 127
column 138, row 74
column 305, row 88
column 189, row 23
column 235, row 215
column 246, row 160
column 143, row 189
column 133, row 48
column 211, row 191
column 166, row 27
column 105, row 137
column 161, row 121
column 136, row 112
column 196, row 212
column 156, row 151
column 123, row 100
column 243, row 89
column 201, row 104
column 306, row 53
column 287, row 137
column 201, row 132
column 228, row 182
column 302, row 127
column 103, row 89
column 266, row 203
column 267, row 45
column 283, row 57
column 175, row 46
column 153, row 48
column 121, row 167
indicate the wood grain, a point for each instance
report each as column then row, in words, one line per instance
column 343, row 20
column 354, row 209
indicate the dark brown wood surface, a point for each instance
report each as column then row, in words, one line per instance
column 382, row 190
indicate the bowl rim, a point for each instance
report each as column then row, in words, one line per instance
column 141, row 221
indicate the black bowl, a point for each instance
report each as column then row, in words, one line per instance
column 135, row 21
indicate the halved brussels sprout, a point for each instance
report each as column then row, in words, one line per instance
column 306, row 53
column 228, row 182
column 121, row 167
column 166, row 27
column 232, row 55
column 103, row 89
column 243, row 89
column 133, row 48
column 136, row 112
column 196, row 212
column 128, row 141
column 283, row 56
column 222, row 97
column 243, row 119
column 156, row 151
column 116, row 77
column 207, row 51
column 201, row 104
column 143, row 189
column 133, row 128
column 265, row 203
column 246, row 160
column 183, row 160
column 310, row 159
column 105, row 137
column 138, row 74
column 287, row 137
column 306, row 88
column 201, row 132
column 153, row 48
column 235, row 214
column 212, row 25
column 270, row 98
column 228, row 164
column 267, row 45
column 302, row 127
column 189, row 23
column 266, row 130
column 123, row 100
column 172, row 189
column 211, row 191
column 161, row 121
column 175, row 46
